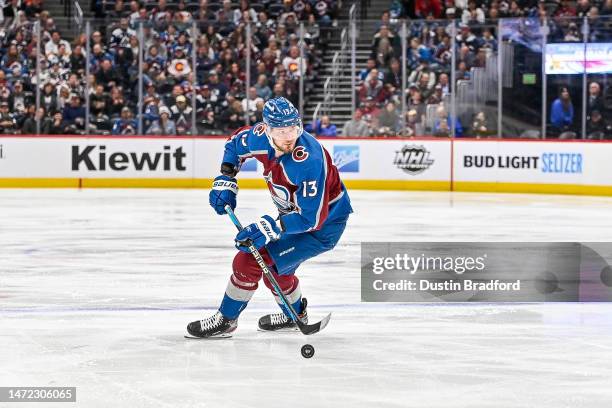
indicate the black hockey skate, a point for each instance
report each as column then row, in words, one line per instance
column 217, row 326
column 282, row 322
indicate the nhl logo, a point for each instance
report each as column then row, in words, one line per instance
column 413, row 159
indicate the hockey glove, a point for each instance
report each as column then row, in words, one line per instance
column 258, row 233
column 223, row 192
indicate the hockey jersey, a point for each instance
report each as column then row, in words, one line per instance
column 305, row 185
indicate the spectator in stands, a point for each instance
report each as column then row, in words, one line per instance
column 423, row 77
column 164, row 125
column 8, row 123
column 52, row 46
column 324, row 127
column 356, row 127
column 29, row 125
column 373, row 88
column 48, row 98
column 107, row 74
column 388, row 121
column 595, row 101
column 250, row 104
column 181, row 115
column 294, row 64
column 562, row 112
column 384, row 52
column 413, row 125
column 428, row 9
column 444, row 84
column 125, row 125
column 262, row 88
column 385, row 35
column 479, row 127
column 473, row 14
column 415, row 101
column 57, row 125
column 233, row 117
column 99, row 101
column 370, row 65
column 436, row 97
column 118, row 101
column 19, row 96
column 466, row 37
column 443, row 124
column 217, row 89
column 74, row 114
column 597, row 127
column 393, row 79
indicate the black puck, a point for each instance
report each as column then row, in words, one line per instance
column 606, row 276
column 307, row 351
column 547, row 282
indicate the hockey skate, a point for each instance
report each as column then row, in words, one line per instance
column 282, row 322
column 216, row 326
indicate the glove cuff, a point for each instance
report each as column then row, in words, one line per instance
column 269, row 228
column 225, row 183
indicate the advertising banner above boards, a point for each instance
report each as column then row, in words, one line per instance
column 532, row 166
column 184, row 162
column 416, row 164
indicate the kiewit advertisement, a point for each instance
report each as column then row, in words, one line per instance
column 97, row 158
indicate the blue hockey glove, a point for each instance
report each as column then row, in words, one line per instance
column 259, row 233
column 223, row 192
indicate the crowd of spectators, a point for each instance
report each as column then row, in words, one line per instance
column 215, row 89
column 171, row 32
column 429, row 51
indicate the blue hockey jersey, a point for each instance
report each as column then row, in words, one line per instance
column 305, row 185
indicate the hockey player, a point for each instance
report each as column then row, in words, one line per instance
column 313, row 207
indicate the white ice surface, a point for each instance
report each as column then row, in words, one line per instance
column 96, row 288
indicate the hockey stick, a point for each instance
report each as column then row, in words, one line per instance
column 304, row 328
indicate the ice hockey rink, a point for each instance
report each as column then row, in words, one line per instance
column 97, row 286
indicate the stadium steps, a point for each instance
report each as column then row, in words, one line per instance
column 341, row 111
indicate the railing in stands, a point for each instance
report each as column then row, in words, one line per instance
column 315, row 115
column 78, row 14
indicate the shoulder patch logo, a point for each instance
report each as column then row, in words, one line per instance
column 259, row 130
column 299, row 154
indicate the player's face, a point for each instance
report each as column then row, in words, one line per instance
column 284, row 137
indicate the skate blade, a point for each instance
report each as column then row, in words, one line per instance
column 220, row 337
column 286, row 330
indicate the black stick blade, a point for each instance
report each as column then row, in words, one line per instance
column 313, row 328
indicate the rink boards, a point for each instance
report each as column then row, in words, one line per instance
column 491, row 165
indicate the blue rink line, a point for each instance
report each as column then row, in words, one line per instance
column 364, row 305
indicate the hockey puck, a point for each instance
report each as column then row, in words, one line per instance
column 307, row 351
column 547, row 282
column 606, row 276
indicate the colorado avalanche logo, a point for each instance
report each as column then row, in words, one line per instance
column 259, row 130
column 299, row 154
column 280, row 196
